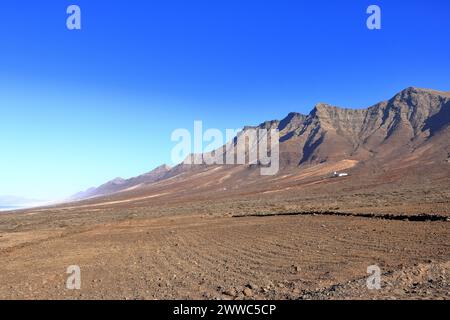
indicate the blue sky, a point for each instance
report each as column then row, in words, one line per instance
column 78, row 108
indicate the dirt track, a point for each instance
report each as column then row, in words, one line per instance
column 198, row 257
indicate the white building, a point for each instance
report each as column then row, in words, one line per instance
column 339, row 175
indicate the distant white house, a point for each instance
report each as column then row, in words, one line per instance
column 339, row 175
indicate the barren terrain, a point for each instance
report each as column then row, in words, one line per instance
column 227, row 232
column 257, row 247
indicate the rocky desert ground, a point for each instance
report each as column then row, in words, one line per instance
column 252, row 248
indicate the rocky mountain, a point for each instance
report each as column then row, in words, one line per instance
column 386, row 130
column 413, row 125
column 119, row 184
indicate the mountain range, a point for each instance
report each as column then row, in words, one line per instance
column 119, row 184
column 412, row 129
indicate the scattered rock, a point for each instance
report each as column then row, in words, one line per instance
column 252, row 286
column 248, row 292
column 230, row 292
column 296, row 269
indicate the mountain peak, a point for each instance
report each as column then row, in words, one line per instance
column 161, row 169
column 411, row 91
column 118, row 180
column 291, row 122
column 323, row 105
column 294, row 115
column 322, row 109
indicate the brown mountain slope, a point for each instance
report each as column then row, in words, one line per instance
column 386, row 130
column 119, row 184
column 390, row 128
column 394, row 140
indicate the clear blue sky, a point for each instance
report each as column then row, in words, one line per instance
column 78, row 108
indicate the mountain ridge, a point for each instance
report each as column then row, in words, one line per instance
column 413, row 119
column 120, row 184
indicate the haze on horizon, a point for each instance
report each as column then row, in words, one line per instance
column 80, row 108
